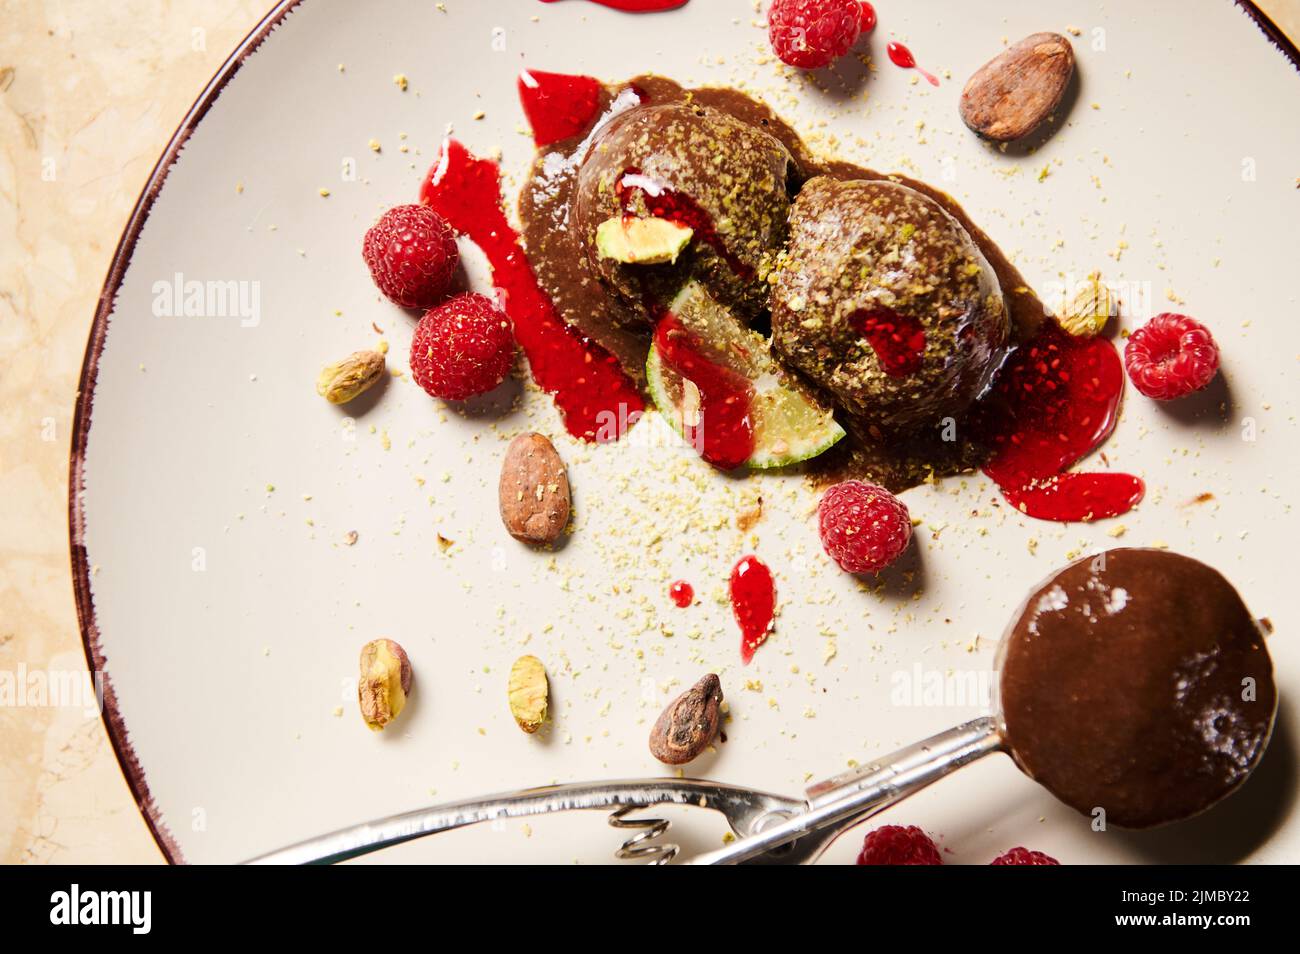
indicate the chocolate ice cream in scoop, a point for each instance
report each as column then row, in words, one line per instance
column 1137, row 682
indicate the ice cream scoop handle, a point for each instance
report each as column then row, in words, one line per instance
column 915, row 766
column 841, row 802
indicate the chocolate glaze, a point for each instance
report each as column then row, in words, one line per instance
column 1136, row 681
column 559, row 257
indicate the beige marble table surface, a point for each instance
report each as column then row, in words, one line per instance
column 90, row 92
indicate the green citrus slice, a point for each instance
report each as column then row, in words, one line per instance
column 789, row 425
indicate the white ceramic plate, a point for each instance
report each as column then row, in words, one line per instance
column 229, row 616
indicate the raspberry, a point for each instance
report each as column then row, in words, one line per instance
column 864, row 528
column 1023, row 856
column 412, row 255
column 896, row 845
column 462, row 348
column 1170, row 357
column 812, row 33
column 867, row 21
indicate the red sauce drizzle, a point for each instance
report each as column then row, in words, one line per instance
column 558, row 105
column 681, row 593
column 753, row 601
column 637, row 6
column 597, row 400
column 665, row 203
column 900, row 55
column 724, row 430
column 898, row 340
column 1055, row 401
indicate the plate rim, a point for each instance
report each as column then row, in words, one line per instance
column 114, row 724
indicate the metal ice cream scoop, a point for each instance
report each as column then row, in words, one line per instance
column 769, row 828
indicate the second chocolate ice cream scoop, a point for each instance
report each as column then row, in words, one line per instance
column 884, row 301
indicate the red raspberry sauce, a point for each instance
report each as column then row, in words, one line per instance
column 900, row 55
column 593, row 394
column 753, row 601
column 898, row 340
column 724, row 432
column 681, row 593
column 1054, row 402
column 558, row 105
column 637, row 6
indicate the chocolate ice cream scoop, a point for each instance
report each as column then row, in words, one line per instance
column 1134, row 681
column 1137, row 682
column 723, row 179
column 885, row 302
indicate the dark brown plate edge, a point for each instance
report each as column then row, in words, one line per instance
column 118, row 735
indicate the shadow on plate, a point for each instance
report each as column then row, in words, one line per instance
column 905, row 577
column 845, row 78
column 497, row 404
column 362, row 404
column 1211, row 407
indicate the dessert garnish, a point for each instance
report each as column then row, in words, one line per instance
column 636, row 6
column 1171, row 356
column 909, row 845
column 534, row 490
column 1015, row 92
column 1054, row 402
column 350, row 378
column 753, row 603
column 1087, row 313
column 812, row 33
column 635, row 241
column 1023, row 856
column 461, row 348
column 902, row 57
column 384, row 682
column 690, row 723
column 681, row 593
column 717, row 384
column 898, row 845
column 528, row 691
column 864, row 528
column 558, row 105
column 411, row 253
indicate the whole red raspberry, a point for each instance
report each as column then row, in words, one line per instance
column 1023, row 856
column 864, row 528
column 412, row 255
column 1171, row 356
column 812, row 33
column 462, row 348
column 896, row 845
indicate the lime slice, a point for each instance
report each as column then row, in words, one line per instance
column 789, row 425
